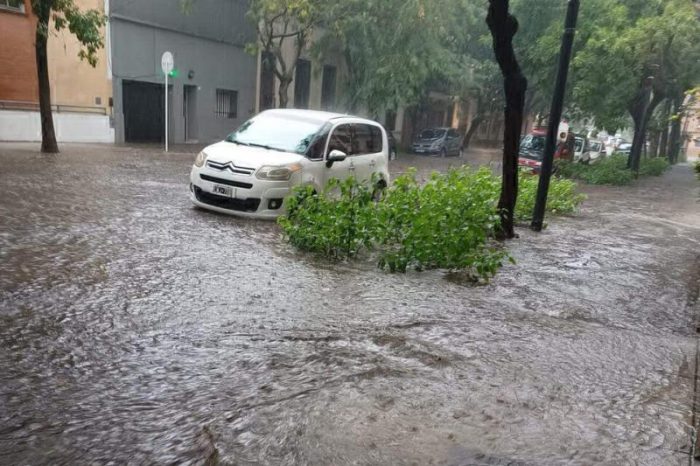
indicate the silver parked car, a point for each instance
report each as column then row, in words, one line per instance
column 438, row 141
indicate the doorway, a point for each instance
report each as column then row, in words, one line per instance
column 143, row 111
column 189, row 112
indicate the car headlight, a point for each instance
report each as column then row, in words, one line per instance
column 277, row 173
column 201, row 158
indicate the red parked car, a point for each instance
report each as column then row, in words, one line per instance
column 532, row 151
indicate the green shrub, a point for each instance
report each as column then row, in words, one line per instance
column 655, row 166
column 609, row 170
column 337, row 223
column 696, row 167
column 562, row 197
column 448, row 222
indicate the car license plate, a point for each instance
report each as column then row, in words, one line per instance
column 225, row 191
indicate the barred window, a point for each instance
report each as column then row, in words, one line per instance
column 226, row 103
column 12, row 4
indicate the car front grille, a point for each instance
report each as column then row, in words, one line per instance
column 230, row 166
column 241, row 205
column 237, row 184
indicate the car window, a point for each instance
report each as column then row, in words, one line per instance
column 367, row 139
column 377, row 140
column 533, row 142
column 431, row 134
column 341, row 140
column 318, row 143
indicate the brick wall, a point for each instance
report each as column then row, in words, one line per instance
column 18, row 79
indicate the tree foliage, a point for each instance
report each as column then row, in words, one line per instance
column 631, row 41
column 279, row 23
column 394, row 48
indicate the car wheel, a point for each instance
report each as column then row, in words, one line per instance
column 443, row 152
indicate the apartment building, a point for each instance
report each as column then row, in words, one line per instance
column 80, row 94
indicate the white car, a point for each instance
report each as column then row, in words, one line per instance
column 252, row 171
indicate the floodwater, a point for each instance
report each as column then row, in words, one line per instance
column 136, row 329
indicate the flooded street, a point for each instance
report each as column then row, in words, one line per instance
column 136, row 329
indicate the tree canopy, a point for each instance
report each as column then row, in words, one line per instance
column 395, row 51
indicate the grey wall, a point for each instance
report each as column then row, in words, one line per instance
column 208, row 41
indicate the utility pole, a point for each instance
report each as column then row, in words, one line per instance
column 567, row 43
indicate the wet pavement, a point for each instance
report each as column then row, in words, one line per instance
column 136, row 329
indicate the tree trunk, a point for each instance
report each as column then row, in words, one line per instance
column 48, row 135
column 674, row 142
column 663, row 143
column 643, row 111
column 503, row 27
column 283, row 92
column 473, row 126
column 654, row 145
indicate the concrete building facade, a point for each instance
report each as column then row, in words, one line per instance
column 214, row 90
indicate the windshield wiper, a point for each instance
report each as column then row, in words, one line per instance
column 264, row 146
column 236, row 142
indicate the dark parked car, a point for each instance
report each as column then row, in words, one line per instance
column 438, row 141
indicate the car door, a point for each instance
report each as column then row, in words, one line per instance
column 340, row 139
column 452, row 141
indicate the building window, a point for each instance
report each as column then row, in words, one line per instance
column 302, row 83
column 226, row 103
column 16, row 5
column 328, row 88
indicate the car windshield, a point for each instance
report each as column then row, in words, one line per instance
column 533, row 143
column 431, row 134
column 277, row 132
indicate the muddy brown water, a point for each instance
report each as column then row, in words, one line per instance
column 136, row 329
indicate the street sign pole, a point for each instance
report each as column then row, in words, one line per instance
column 567, row 42
column 166, row 112
column 167, row 63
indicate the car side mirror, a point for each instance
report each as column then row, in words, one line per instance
column 335, row 156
